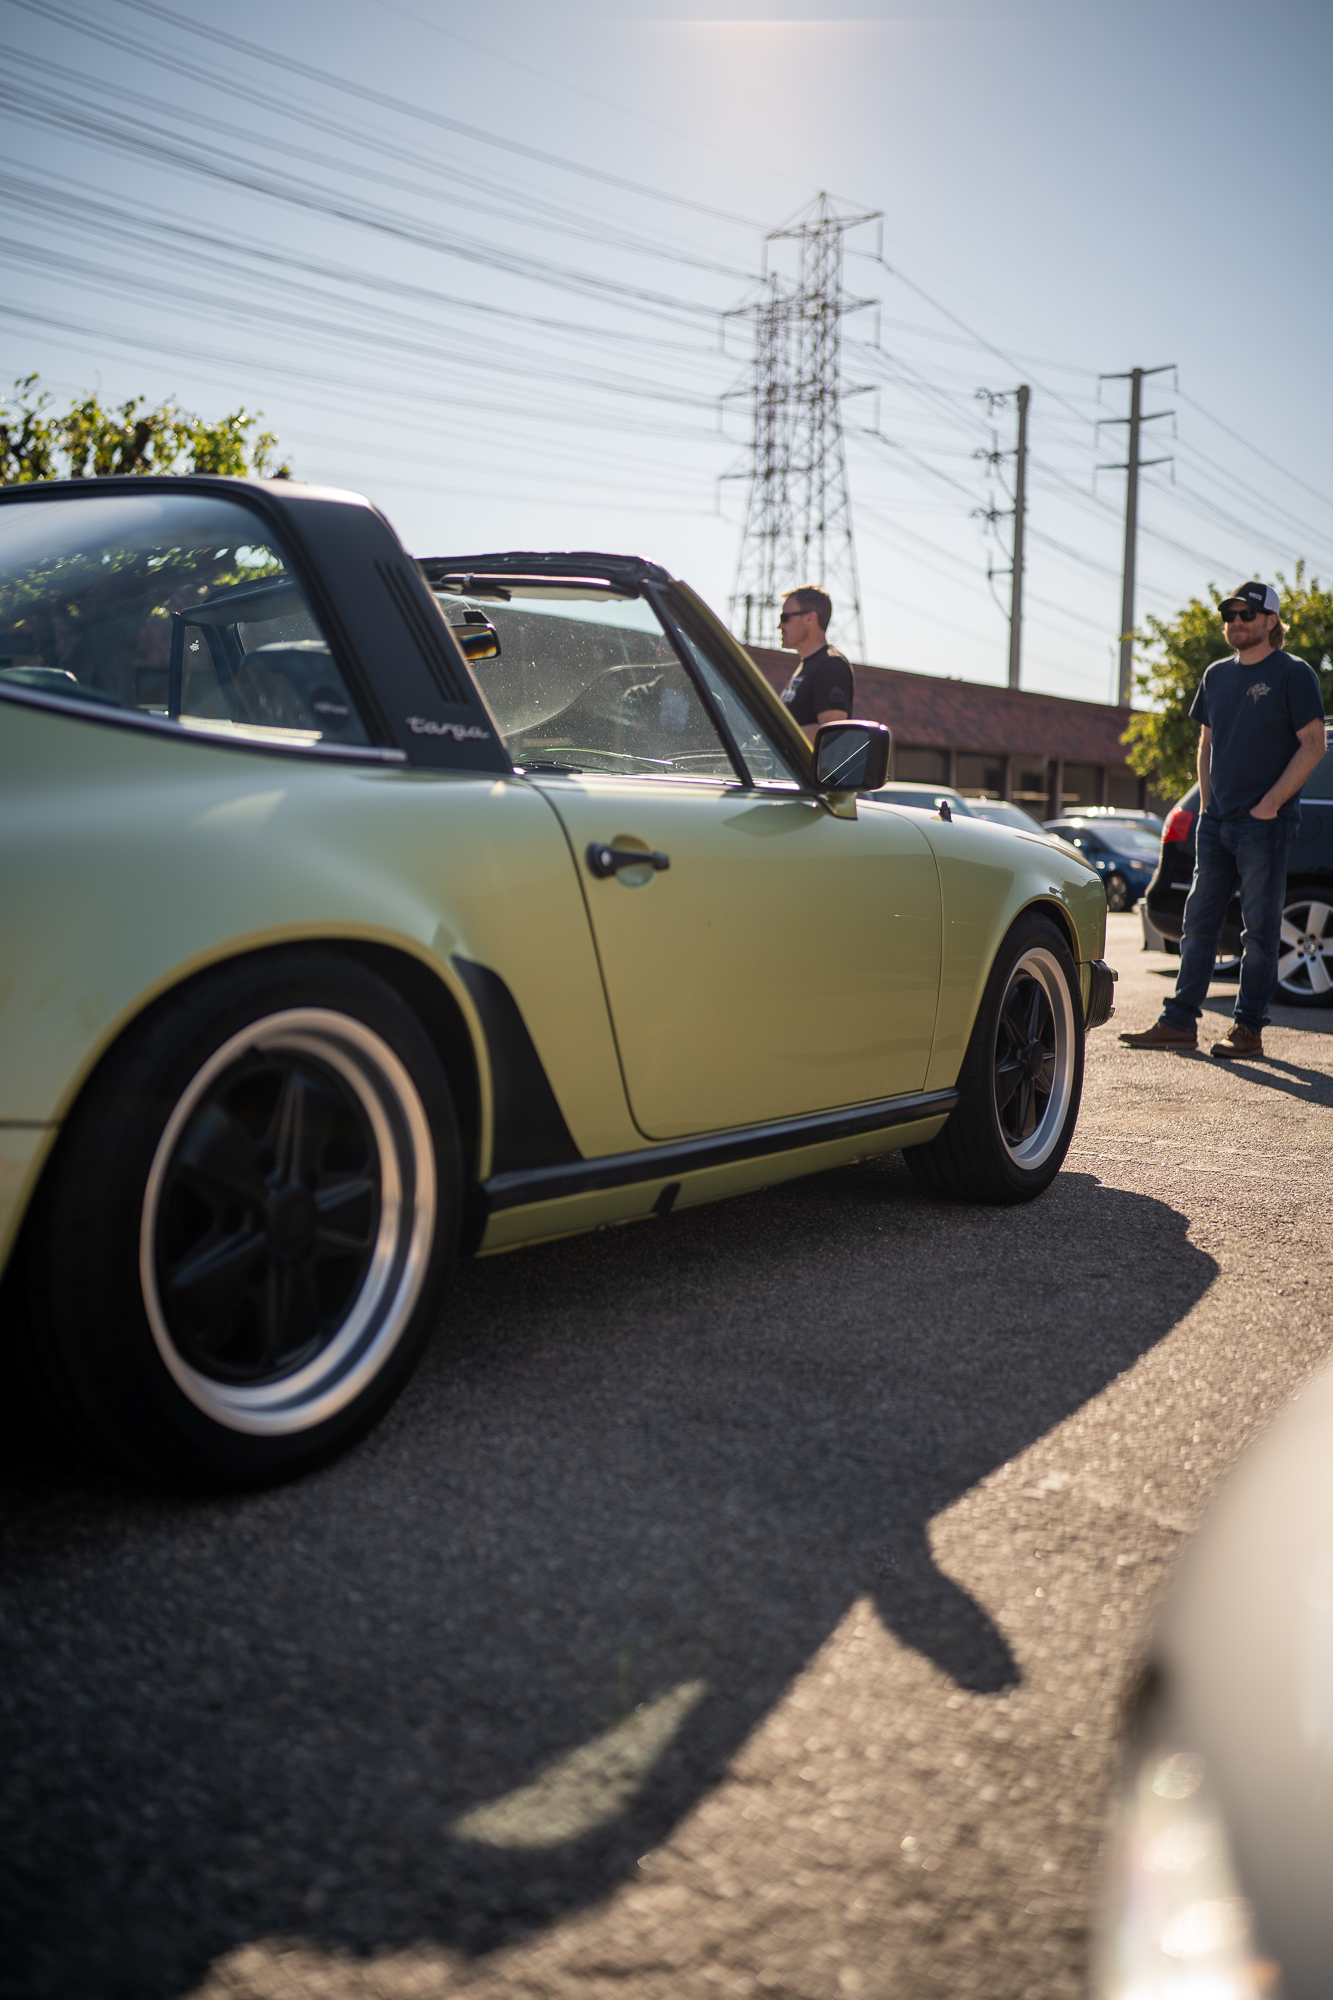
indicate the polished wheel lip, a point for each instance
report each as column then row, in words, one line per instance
column 1308, row 942
column 1041, row 964
column 380, row 1313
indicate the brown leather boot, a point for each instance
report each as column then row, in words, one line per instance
column 1162, row 1035
column 1241, row 1041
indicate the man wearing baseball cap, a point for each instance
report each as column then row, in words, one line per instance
column 1262, row 734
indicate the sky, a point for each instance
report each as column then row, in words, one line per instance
column 491, row 267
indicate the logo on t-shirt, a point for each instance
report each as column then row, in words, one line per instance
column 1260, row 687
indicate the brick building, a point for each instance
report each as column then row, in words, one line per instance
column 1047, row 754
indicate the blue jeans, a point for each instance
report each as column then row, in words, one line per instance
column 1249, row 854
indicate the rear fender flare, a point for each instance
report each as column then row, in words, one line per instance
column 433, row 990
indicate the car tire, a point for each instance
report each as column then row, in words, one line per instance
column 1305, row 950
column 1119, row 895
column 1021, row 1079
column 238, row 1249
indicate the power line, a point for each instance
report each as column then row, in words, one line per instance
column 1294, row 477
column 431, row 347
column 383, row 100
column 149, row 227
column 141, row 137
column 523, row 207
column 980, row 339
column 303, row 375
column 637, row 115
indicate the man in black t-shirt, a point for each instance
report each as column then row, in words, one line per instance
column 821, row 689
column 1262, row 734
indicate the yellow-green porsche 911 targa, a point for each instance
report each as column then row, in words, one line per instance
column 359, row 913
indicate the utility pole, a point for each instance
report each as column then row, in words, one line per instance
column 1132, row 466
column 1020, row 511
column 798, row 515
column 1022, row 396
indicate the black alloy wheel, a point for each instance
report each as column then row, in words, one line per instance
column 1026, row 1059
column 1021, row 1079
column 1119, row 895
column 264, row 1179
column 266, row 1217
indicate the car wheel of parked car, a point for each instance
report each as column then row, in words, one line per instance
column 1119, row 895
column 1305, row 953
column 239, row 1246
column 1021, row 1080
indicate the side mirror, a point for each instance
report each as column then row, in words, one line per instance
column 852, row 756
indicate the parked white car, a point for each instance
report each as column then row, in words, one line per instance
column 1219, row 1881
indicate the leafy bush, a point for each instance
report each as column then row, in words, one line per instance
column 90, row 441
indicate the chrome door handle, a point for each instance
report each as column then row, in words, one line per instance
column 604, row 860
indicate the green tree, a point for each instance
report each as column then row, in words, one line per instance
column 1161, row 741
column 27, row 436
column 92, row 441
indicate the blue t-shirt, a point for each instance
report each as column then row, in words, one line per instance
column 1254, row 714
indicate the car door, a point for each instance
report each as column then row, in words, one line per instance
column 783, row 961
column 786, row 961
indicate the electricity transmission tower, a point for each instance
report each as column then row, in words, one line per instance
column 798, row 513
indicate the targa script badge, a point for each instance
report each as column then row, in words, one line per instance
column 421, row 725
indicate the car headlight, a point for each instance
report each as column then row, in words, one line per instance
column 1175, row 1925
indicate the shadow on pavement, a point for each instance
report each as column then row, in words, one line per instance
column 1316, row 1021
column 458, row 1684
column 1269, row 1072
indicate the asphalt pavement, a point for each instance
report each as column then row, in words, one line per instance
column 740, row 1602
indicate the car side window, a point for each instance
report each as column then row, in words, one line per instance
column 179, row 606
column 587, row 681
column 766, row 763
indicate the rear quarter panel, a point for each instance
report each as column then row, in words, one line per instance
column 131, row 862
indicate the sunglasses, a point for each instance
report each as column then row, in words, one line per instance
column 1235, row 617
column 785, row 615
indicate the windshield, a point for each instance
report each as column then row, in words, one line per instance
column 586, row 681
column 174, row 605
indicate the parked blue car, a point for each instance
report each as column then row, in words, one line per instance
column 1123, row 852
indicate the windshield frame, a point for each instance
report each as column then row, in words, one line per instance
column 481, row 587
column 678, row 626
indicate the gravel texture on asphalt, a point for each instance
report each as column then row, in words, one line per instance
column 738, row 1602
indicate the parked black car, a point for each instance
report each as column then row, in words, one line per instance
column 1123, row 853
column 1305, row 968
